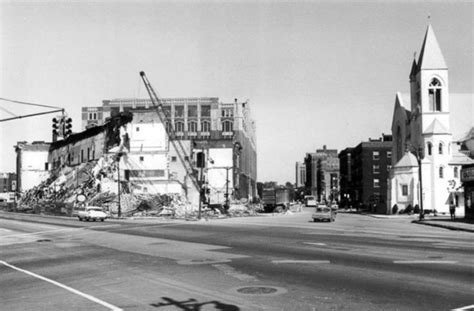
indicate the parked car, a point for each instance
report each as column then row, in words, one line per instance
column 323, row 212
column 91, row 213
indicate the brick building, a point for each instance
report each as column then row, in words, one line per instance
column 364, row 173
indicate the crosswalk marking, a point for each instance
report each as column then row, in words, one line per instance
column 72, row 290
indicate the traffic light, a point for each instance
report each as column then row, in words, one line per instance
column 55, row 127
column 67, row 127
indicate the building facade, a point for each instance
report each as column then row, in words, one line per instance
column 300, row 174
column 32, row 165
column 207, row 124
column 364, row 173
column 322, row 174
column 423, row 130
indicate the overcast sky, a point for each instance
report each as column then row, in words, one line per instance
column 315, row 72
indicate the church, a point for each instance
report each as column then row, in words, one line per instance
column 425, row 130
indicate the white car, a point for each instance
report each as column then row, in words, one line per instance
column 92, row 213
column 310, row 201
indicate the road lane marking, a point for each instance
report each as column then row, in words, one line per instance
column 312, row 243
column 301, row 261
column 466, row 308
column 75, row 291
column 424, row 261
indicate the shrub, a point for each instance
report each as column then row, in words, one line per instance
column 409, row 209
column 416, row 210
column 395, row 209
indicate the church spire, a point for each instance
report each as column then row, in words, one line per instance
column 430, row 54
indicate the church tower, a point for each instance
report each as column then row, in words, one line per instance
column 430, row 126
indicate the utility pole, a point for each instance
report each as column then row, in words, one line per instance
column 201, row 182
column 227, row 188
column 119, row 210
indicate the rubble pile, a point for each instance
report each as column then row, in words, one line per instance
column 95, row 180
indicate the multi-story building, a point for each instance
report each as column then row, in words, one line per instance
column 345, row 170
column 207, row 124
column 322, row 174
column 364, row 174
column 300, row 174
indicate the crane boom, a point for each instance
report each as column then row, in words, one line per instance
column 165, row 119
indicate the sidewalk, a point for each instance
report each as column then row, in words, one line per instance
column 445, row 222
column 460, row 224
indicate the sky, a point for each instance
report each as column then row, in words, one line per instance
column 314, row 72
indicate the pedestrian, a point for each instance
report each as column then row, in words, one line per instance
column 452, row 211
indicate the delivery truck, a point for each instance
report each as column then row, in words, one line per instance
column 273, row 197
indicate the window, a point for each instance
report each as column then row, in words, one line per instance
column 166, row 111
column 376, row 169
column 440, row 148
column 82, row 155
column 404, row 190
column 186, row 158
column 434, row 95
column 228, row 112
column 389, row 167
column 173, row 159
column 88, row 154
column 142, row 159
column 206, row 111
column 179, row 111
column 205, row 126
column 192, row 111
column 376, row 183
column 227, row 126
column 138, row 129
column 192, row 126
column 430, row 148
column 389, row 154
column 179, row 126
column 375, row 155
column 441, row 172
column 45, row 167
column 456, row 173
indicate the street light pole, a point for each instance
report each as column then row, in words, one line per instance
column 419, row 158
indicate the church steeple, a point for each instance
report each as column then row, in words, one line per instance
column 430, row 55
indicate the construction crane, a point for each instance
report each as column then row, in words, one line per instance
column 177, row 144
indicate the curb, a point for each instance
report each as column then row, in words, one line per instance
column 449, row 227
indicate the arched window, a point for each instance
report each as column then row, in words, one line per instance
column 227, row 126
column 456, row 174
column 179, row 125
column 441, row 172
column 205, row 126
column 440, row 148
column 434, row 95
column 192, row 126
column 430, row 148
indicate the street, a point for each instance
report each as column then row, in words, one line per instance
column 270, row 262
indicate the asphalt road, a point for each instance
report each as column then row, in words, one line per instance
column 252, row 263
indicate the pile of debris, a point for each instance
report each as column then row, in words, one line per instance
column 95, row 181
